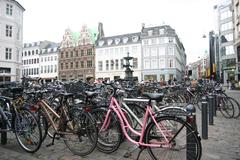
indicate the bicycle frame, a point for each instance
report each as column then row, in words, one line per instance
column 114, row 106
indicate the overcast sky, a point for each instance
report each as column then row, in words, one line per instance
column 48, row 19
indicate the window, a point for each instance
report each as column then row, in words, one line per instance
column 154, row 52
column 48, row 67
column 146, row 52
column 122, row 63
column 66, row 65
column 82, row 52
column 45, row 59
column 71, row 65
column 162, row 77
column 29, row 53
column 107, row 65
column 76, row 53
column 161, row 51
column 89, row 52
column 61, row 66
column 8, row 53
column 226, row 38
column 71, row 53
column 225, row 14
column 135, row 63
column 154, row 41
column 161, row 63
column 66, row 54
column 45, row 69
column 82, row 64
column 146, row 64
column 145, row 42
column 89, row 64
column 36, row 51
column 161, row 31
column 41, row 59
column 9, row 9
column 226, row 26
column 170, row 51
column 32, row 52
column 37, row 70
column 61, row 54
column 112, row 64
column 116, row 64
column 170, row 63
column 51, row 58
column 25, row 53
column 76, row 64
column 154, row 64
column 55, row 69
column 41, row 69
column 55, row 58
column 37, row 60
column 100, row 65
column 8, row 31
column 51, row 69
column 134, row 49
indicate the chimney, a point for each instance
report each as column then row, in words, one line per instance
column 100, row 31
column 143, row 26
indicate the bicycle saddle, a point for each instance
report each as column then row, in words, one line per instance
column 154, row 96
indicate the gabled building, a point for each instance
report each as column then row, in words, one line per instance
column 11, row 39
column 77, row 54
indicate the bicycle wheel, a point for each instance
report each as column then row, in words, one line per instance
column 177, row 133
column 43, row 123
column 82, row 134
column 226, row 107
column 109, row 139
column 28, row 131
column 236, row 107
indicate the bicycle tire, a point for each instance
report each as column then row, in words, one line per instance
column 226, row 107
column 105, row 144
column 176, row 150
column 83, row 139
column 25, row 120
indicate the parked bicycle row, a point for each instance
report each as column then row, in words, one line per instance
column 102, row 116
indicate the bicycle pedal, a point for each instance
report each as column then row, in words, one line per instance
column 48, row 145
column 127, row 155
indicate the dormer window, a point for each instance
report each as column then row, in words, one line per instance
column 135, row 38
column 110, row 42
column 117, row 40
column 161, row 31
column 100, row 43
column 125, row 39
column 150, row 32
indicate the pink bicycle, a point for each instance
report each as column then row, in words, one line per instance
column 165, row 137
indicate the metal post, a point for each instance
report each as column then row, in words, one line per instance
column 191, row 119
column 204, row 118
column 210, row 111
column 4, row 133
column 215, row 105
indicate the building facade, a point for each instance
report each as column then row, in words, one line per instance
column 110, row 53
column 227, row 55
column 236, row 29
column 48, row 66
column 40, row 60
column 163, row 55
column 11, row 37
column 77, row 54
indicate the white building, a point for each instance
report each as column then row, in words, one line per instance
column 110, row 52
column 11, row 37
column 49, row 63
column 30, row 59
column 40, row 59
column 163, row 55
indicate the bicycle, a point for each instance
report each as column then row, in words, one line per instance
column 72, row 123
column 157, row 132
column 18, row 119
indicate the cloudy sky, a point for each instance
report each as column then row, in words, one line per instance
column 47, row 19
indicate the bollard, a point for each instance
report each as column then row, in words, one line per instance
column 210, row 110
column 191, row 119
column 4, row 133
column 204, row 118
column 214, row 105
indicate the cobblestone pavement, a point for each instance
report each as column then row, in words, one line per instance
column 223, row 143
